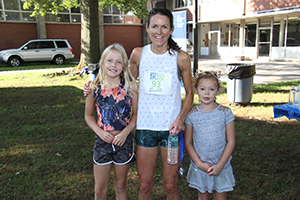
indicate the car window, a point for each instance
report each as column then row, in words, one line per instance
column 32, row 45
column 46, row 44
column 61, row 44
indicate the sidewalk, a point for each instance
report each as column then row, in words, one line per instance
column 266, row 72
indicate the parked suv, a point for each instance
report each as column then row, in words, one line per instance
column 54, row 50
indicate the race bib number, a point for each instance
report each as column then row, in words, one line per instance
column 158, row 83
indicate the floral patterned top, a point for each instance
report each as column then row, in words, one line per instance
column 114, row 107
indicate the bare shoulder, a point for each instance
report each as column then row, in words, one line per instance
column 136, row 53
column 184, row 60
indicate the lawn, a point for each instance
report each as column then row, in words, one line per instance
column 46, row 147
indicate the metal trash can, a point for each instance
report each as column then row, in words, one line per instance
column 240, row 82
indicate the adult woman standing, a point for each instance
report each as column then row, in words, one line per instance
column 160, row 66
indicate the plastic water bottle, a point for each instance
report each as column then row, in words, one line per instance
column 172, row 149
column 291, row 96
column 296, row 97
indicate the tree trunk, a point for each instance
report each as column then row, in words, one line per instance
column 90, row 42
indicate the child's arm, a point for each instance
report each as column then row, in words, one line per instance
column 119, row 141
column 188, row 137
column 230, row 138
column 90, row 120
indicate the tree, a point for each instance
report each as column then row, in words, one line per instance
column 91, row 47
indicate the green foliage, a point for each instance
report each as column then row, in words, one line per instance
column 41, row 7
column 135, row 6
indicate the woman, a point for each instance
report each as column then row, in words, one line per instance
column 160, row 66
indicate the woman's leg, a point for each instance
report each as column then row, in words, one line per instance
column 101, row 175
column 121, row 181
column 146, row 158
column 170, row 175
column 220, row 196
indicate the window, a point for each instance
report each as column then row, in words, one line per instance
column 61, row 44
column 26, row 17
column 1, row 16
column 12, row 16
column 250, row 35
column 63, row 18
column 180, row 3
column 46, row 44
column 113, row 15
column 158, row 4
column 12, row 4
column 32, row 45
column 293, row 33
column 14, row 11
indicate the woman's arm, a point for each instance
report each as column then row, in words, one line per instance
column 119, row 141
column 188, row 137
column 89, row 118
column 184, row 63
column 230, row 138
column 135, row 61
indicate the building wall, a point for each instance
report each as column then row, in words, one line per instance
column 71, row 32
column 259, row 5
column 13, row 35
column 129, row 36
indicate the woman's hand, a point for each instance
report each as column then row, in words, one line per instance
column 86, row 88
column 177, row 127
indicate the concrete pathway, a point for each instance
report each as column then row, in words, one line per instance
column 266, row 72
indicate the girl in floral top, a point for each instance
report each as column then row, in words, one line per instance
column 115, row 96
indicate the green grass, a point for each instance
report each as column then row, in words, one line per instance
column 39, row 65
column 46, row 147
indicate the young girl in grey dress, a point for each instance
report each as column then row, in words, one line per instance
column 210, row 140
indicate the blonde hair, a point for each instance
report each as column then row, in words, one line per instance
column 130, row 82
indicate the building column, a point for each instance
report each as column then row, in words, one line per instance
column 242, row 35
column 41, row 27
column 281, row 33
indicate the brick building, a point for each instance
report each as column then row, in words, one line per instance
column 17, row 27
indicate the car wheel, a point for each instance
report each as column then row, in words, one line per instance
column 14, row 61
column 59, row 60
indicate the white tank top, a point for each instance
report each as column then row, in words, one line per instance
column 159, row 92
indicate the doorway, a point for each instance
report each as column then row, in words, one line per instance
column 264, row 36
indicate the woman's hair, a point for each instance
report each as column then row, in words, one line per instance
column 207, row 74
column 130, row 83
column 163, row 11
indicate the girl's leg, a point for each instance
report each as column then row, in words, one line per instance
column 220, row 196
column 101, row 175
column 203, row 196
column 170, row 173
column 121, row 181
column 146, row 158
